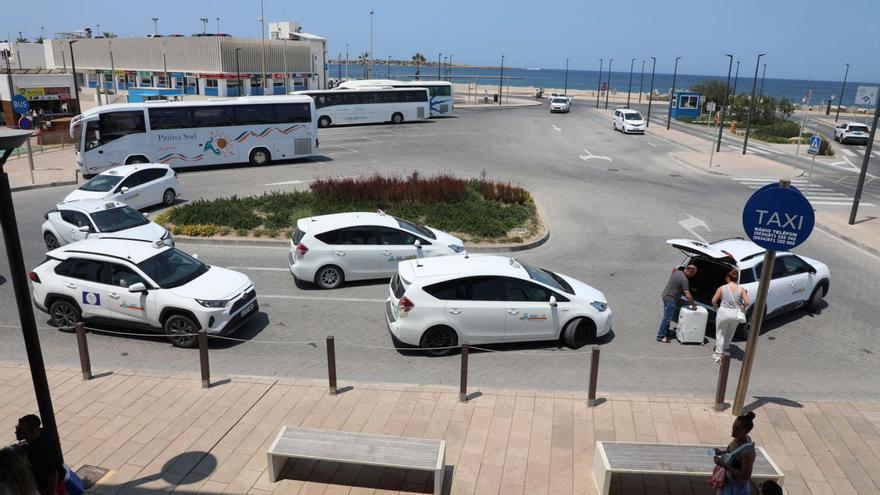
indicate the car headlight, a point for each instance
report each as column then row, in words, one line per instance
column 213, row 303
column 456, row 248
column 599, row 305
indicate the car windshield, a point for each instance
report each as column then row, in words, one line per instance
column 172, row 268
column 858, row 128
column 101, row 183
column 547, row 277
column 559, row 100
column 632, row 116
column 116, row 219
column 415, row 229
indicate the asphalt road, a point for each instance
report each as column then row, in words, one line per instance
column 610, row 203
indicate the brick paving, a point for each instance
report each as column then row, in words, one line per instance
column 161, row 433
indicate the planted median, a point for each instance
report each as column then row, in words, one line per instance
column 477, row 210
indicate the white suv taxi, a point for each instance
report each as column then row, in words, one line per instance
column 141, row 284
column 797, row 281
column 627, row 120
column 77, row 220
column 560, row 104
column 330, row 249
column 139, row 186
column 440, row 303
column 852, row 132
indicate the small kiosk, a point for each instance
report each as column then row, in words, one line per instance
column 686, row 104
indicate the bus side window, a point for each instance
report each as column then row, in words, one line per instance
column 93, row 135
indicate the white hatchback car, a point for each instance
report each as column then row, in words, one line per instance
column 797, row 281
column 440, row 303
column 330, row 249
column 141, row 284
column 139, row 186
column 628, row 121
column 77, row 220
column 560, row 104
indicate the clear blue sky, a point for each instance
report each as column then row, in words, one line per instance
column 802, row 38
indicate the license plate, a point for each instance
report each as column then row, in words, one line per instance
column 247, row 309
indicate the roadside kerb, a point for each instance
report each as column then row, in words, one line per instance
column 45, row 186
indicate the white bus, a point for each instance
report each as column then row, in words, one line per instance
column 195, row 133
column 440, row 92
column 369, row 106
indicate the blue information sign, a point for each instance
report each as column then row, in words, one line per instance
column 20, row 104
column 778, row 218
column 815, row 141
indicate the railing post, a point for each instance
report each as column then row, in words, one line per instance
column 594, row 377
column 331, row 363
column 462, row 390
column 83, row 346
column 721, row 388
column 203, row 358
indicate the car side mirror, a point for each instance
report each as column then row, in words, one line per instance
column 85, row 229
column 418, row 244
column 195, row 256
column 124, row 189
column 552, row 301
column 138, row 287
column 147, row 214
column 812, row 270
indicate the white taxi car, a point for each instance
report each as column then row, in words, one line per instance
column 850, row 132
column 440, row 303
column 139, row 186
column 796, row 281
column 330, row 249
column 141, row 284
column 627, row 120
column 560, row 104
column 77, row 220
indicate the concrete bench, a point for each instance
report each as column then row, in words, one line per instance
column 357, row 448
column 667, row 460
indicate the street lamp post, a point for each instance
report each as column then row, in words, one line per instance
column 672, row 94
column 651, row 92
column 445, row 64
column 439, row 67
column 735, row 79
column 371, row 44
column 630, row 86
column 263, row 44
column 204, row 25
column 165, row 64
column 842, row 88
column 724, row 105
column 608, row 88
column 238, row 73
column 565, row 90
column 155, row 26
column 73, row 68
column 449, row 69
column 346, row 61
column 9, row 140
column 761, row 91
column 751, row 104
column 501, row 82
column 218, row 26
column 641, row 79
column 599, row 85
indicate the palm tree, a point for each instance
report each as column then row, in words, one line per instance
column 363, row 59
column 419, row 59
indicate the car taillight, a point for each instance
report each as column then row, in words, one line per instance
column 405, row 306
column 34, row 277
column 301, row 251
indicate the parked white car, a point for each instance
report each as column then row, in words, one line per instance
column 139, row 186
column 797, row 281
column 560, row 104
column 441, row 303
column 330, row 249
column 628, row 121
column 852, row 132
column 92, row 218
column 141, row 284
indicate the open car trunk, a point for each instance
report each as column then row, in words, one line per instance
column 710, row 275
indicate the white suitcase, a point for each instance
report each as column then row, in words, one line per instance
column 692, row 325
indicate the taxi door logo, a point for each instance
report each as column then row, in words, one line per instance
column 91, row 298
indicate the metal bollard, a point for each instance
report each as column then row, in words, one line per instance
column 721, row 388
column 203, row 358
column 83, row 346
column 462, row 390
column 594, row 377
column 331, row 363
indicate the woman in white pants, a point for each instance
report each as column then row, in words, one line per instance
column 729, row 299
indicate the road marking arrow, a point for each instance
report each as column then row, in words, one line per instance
column 556, row 128
column 589, row 156
column 691, row 223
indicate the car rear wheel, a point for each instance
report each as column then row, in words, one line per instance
column 64, row 314
column 439, row 341
column 814, row 304
column 181, row 331
column 324, row 121
column 168, row 197
column 329, row 277
column 51, row 241
column 577, row 333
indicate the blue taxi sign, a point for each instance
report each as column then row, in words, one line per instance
column 778, row 218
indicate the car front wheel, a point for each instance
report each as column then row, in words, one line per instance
column 64, row 314
column 181, row 331
column 578, row 332
column 329, row 277
column 168, row 197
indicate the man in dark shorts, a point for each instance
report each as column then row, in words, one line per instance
column 676, row 287
column 42, row 455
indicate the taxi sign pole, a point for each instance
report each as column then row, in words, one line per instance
column 755, row 325
column 864, row 171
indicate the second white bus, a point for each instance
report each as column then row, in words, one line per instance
column 440, row 92
column 195, row 133
column 369, row 106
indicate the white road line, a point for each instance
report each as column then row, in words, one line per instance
column 556, row 128
column 589, row 156
column 259, row 268
column 847, row 152
column 876, row 152
column 650, row 144
column 838, row 203
column 316, row 298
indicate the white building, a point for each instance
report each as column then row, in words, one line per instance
column 23, row 55
column 46, row 89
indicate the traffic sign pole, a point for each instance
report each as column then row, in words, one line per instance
column 858, row 195
column 815, row 145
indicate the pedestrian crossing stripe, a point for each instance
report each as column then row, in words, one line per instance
column 848, row 152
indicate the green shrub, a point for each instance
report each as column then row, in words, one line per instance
column 196, row 230
column 233, row 212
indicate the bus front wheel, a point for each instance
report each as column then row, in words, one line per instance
column 324, row 121
column 260, row 156
column 397, row 118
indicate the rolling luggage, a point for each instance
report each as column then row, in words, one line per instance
column 692, row 325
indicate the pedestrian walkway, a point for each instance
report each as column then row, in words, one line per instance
column 818, row 194
column 164, row 433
